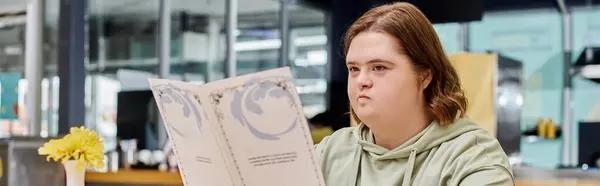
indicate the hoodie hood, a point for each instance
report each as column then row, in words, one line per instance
column 350, row 157
column 432, row 136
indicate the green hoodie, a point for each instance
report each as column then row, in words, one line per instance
column 458, row 154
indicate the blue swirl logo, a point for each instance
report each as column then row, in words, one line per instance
column 170, row 94
column 246, row 100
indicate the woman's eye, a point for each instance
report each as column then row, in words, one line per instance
column 352, row 69
column 378, row 67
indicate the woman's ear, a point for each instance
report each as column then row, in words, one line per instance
column 426, row 78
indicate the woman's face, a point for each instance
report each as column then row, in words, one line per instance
column 382, row 82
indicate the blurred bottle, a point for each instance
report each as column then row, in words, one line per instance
column 550, row 129
column 172, row 163
column 128, row 150
column 541, row 128
column 112, row 161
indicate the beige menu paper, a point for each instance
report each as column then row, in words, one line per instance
column 242, row 131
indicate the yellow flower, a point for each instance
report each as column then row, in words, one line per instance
column 81, row 144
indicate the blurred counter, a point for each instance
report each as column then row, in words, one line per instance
column 524, row 176
column 20, row 161
column 133, row 178
column 528, row 176
column 563, row 182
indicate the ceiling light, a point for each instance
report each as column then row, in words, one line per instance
column 270, row 44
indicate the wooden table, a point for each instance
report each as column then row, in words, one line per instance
column 563, row 182
column 134, row 177
column 153, row 177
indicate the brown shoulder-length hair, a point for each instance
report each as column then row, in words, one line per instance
column 444, row 96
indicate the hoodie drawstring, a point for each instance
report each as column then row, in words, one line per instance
column 357, row 162
column 409, row 167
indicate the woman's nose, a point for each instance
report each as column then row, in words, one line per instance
column 364, row 80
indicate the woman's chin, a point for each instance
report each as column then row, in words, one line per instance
column 365, row 114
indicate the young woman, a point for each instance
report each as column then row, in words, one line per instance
column 410, row 107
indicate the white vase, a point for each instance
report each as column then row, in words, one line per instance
column 75, row 177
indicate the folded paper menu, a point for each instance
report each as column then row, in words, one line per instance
column 243, row 131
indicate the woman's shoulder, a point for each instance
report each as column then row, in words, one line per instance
column 337, row 141
column 476, row 153
column 342, row 134
column 473, row 140
column 478, row 149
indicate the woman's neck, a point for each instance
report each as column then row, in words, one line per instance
column 393, row 132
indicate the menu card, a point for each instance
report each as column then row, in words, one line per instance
column 243, row 131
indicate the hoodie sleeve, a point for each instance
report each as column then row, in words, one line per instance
column 494, row 175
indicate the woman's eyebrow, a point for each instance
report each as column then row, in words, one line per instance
column 376, row 60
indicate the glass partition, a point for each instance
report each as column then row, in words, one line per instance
column 124, row 49
column 258, row 36
column 309, row 53
column 259, row 43
column 123, row 45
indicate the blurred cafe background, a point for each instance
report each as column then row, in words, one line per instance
column 531, row 69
